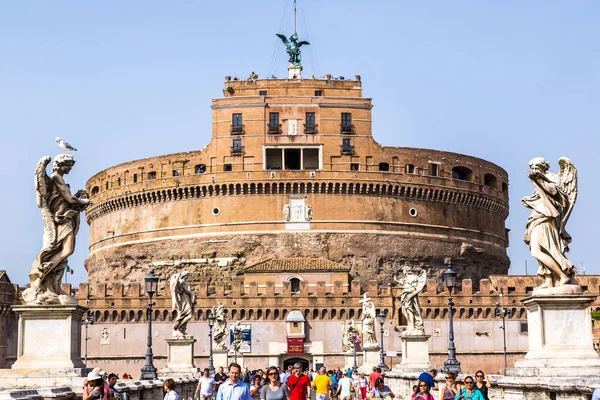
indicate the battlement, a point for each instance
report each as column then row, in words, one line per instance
column 326, row 86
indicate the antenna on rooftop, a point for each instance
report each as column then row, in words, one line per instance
column 295, row 32
column 292, row 47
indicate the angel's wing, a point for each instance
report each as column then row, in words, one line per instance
column 567, row 181
column 302, row 43
column 421, row 281
column 42, row 186
column 283, row 38
column 173, row 287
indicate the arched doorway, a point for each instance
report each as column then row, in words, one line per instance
column 291, row 361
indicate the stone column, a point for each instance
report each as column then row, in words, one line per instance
column 415, row 353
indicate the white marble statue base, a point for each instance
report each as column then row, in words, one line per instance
column 349, row 360
column 220, row 359
column 370, row 358
column 294, row 71
column 49, row 337
column 560, row 337
column 415, row 353
column 180, row 356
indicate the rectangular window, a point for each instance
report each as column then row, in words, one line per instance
column 237, row 146
column 354, row 166
column 176, row 172
column 274, row 126
column 152, row 175
column 318, row 93
column 226, row 167
column 310, row 126
column 524, row 327
column 310, row 159
column 274, row 159
column 237, row 127
column 435, row 169
column 347, row 147
column 347, row 126
column 262, row 93
column 135, row 178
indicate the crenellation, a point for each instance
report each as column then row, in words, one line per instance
column 219, row 289
column 202, row 290
column 338, row 288
column 100, row 291
column 118, row 290
column 373, row 288
column 355, row 288
column 321, row 289
column 485, row 287
column 432, row 286
column 134, row 290
column 270, row 288
column 237, row 287
column 467, row 287
column 304, row 289
column 253, row 289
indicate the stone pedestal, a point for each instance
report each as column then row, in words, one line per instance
column 180, row 356
column 415, row 353
column 371, row 357
column 294, row 71
column 220, row 358
column 49, row 337
column 560, row 337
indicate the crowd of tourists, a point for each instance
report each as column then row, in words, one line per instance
column 296, row 384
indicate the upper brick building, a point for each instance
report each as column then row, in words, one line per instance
column 293, row 171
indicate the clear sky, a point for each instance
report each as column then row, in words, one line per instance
column 504, row 81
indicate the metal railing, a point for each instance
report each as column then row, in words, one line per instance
column 311, row 129
column 237, row 149
column 347, row 129
column 237, row 129
column 274, row 129
column 347, row 149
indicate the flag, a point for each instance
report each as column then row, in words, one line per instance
column 69, row 269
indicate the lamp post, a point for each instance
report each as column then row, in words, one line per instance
column 452, row 364
column 503, row 311
column 149, row 370
column 381, row 319
column 211, row 323
column 87, row 320
column 354, row 332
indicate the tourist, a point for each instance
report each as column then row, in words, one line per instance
column 112, row 381
column 287, row 375
column 415, row 389
column 362, row 381
column 334, row 382
column 469, row 392
column 380, row 391
column 322, row 383
column 423, row 392
column 93, row 387
column 169, row 387
column 339, row 374
column 281, row 374
column 596, row 394
column 246, row 376
column 373, row 376
column 256, row 387
column 234, row 388
column 206, row 386
column 356, row 383
column 482, row 382
column 274, row 389
column 220, row 377
column 298, row 384
column 450, row 388
column 345, row 388
column 429, row 378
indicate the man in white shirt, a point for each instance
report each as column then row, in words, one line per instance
column 206, row 386
column 344, row 389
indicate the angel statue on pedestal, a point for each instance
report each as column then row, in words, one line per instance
column 551, row 204
column 183, row 301
column 60, row 213
column 220, row 330
column 412, row 284
column 292, row 47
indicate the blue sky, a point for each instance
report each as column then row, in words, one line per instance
column 504, row 81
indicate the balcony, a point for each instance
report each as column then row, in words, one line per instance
column 347, row 150
column 274, row 129
column 346, row 129
column 311, row 129
column 237, row 150
column 237, row 129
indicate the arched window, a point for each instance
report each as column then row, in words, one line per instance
column 462, row 173
column 95, row 190
column 490, row 180
column 504, row 187
column 295, row 285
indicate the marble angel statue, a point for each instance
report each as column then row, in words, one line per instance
column 348, row 335
column 60, row 213
column 368, row 323
column 238, row 336
column 551, row 205
column 412, row 284
column 220, row 329
column 183, row 301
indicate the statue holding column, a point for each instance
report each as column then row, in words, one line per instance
column 551, row 205
column 412, row 285
column 183, row 301
column 60, row 214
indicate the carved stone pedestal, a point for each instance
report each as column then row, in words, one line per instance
column 294, row 71
column 560, row 337
column 180, row 356
column 415, row 353
column 370, row 358
column 49, row 337
column 220, row 359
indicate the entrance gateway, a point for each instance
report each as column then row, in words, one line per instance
column 291, row 361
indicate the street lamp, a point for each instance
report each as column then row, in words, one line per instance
column 211, row 323
column 503, row 311
column 452, row 364
column 354, row 333
column 381, row 319
column 149, row 370
column 88, row 319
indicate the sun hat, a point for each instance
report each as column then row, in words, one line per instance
column 92, row 376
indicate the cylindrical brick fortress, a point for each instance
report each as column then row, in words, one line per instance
column 292, row 170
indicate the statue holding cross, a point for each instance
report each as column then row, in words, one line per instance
column 368, row 323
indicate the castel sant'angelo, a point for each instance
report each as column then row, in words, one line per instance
column 293, row 172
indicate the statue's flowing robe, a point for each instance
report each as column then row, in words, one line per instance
column 544, row 225
column 184, row 307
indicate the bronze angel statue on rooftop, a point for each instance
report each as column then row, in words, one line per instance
column 551, row 205
column 292, row 47
column 60, row 213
